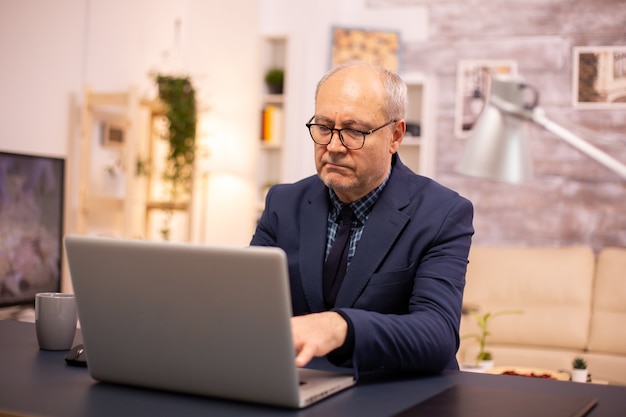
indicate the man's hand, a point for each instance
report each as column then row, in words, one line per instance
column 317, row 335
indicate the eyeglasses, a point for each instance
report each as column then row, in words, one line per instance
column 350, row 138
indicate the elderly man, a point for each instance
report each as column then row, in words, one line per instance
column 377, row 254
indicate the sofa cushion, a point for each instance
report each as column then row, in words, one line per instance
column 551, row 285
column 608, row 319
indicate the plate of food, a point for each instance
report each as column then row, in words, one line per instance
column 530, row 372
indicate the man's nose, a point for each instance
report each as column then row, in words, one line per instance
column 335, row 144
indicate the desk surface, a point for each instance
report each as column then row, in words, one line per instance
column 34, row 382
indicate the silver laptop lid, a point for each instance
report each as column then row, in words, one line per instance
column 197, row 319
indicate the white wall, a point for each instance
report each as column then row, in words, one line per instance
column 41, row 49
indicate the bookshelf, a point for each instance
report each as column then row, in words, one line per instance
column 273, row 108
column 418, row 148
column 120, row 132
column 107, row 153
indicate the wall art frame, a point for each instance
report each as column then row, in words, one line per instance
column 473, row 86
column 599, row 77
column 372, row 45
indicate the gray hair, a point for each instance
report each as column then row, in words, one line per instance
column 394, row 86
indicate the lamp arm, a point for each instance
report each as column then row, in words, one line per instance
column 539, row 117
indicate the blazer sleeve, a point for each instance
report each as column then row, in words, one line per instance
column 426, row 338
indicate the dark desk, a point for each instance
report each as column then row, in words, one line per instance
column 34, row 382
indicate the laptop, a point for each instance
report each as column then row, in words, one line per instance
column 196, row 319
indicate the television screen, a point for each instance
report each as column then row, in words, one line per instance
column 31, row 226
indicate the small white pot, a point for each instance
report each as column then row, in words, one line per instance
column 486, row 365
column 579, row 375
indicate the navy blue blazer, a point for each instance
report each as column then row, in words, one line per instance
column 403, row 290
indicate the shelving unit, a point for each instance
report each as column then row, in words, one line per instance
column 119, row 132
column 273, row 108
column 107, row 156
column 418, row 148
column 417, row 151
column 155, row 201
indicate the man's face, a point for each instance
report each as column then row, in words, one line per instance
column 355, row 98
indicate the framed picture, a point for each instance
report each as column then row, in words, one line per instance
column 473, row 85
column 112, row 130
column 366, row 45
column 114, row 135
column 599, row 76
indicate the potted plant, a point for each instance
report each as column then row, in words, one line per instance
column 275, row 79
column 484, row 359
column 178, row 96
column 579, row 370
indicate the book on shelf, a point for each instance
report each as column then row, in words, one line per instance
column 272, row 124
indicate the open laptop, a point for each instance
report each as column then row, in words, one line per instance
column 195, row 319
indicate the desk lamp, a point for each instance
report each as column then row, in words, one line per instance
column 497, row 149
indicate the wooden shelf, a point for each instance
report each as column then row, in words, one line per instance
column 107, row 137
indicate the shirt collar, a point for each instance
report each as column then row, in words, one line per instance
column 361, row 207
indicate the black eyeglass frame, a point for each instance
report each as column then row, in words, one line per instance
column 333, row 130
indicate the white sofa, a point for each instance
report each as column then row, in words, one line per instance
column 573, row 302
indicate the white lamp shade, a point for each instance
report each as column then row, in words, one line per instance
column 496, row 148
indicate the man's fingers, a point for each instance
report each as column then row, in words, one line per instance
column 303, row 357
column 317, row 335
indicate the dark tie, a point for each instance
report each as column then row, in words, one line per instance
column 337, row 260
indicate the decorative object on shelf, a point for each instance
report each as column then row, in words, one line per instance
column 115, row 167
column 483, row 323
column 275, row 80
column 579, row 370
column 113, row 134
column 413, row 129
column 178, row 96
column 272, row 122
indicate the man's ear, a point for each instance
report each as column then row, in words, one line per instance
column 397, row 135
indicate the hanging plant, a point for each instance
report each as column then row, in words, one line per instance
column 179, row 98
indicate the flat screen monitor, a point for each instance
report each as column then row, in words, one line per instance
column 31, row 226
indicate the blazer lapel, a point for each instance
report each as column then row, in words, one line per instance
column 386, row 222
column 312, row 246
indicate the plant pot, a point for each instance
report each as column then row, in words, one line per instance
column 579, row 375
column 275, row 88
column 471, row 367
column 486, row 365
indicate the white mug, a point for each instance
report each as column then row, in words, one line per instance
column 55, row 320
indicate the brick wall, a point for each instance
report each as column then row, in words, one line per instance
column 572, row 200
